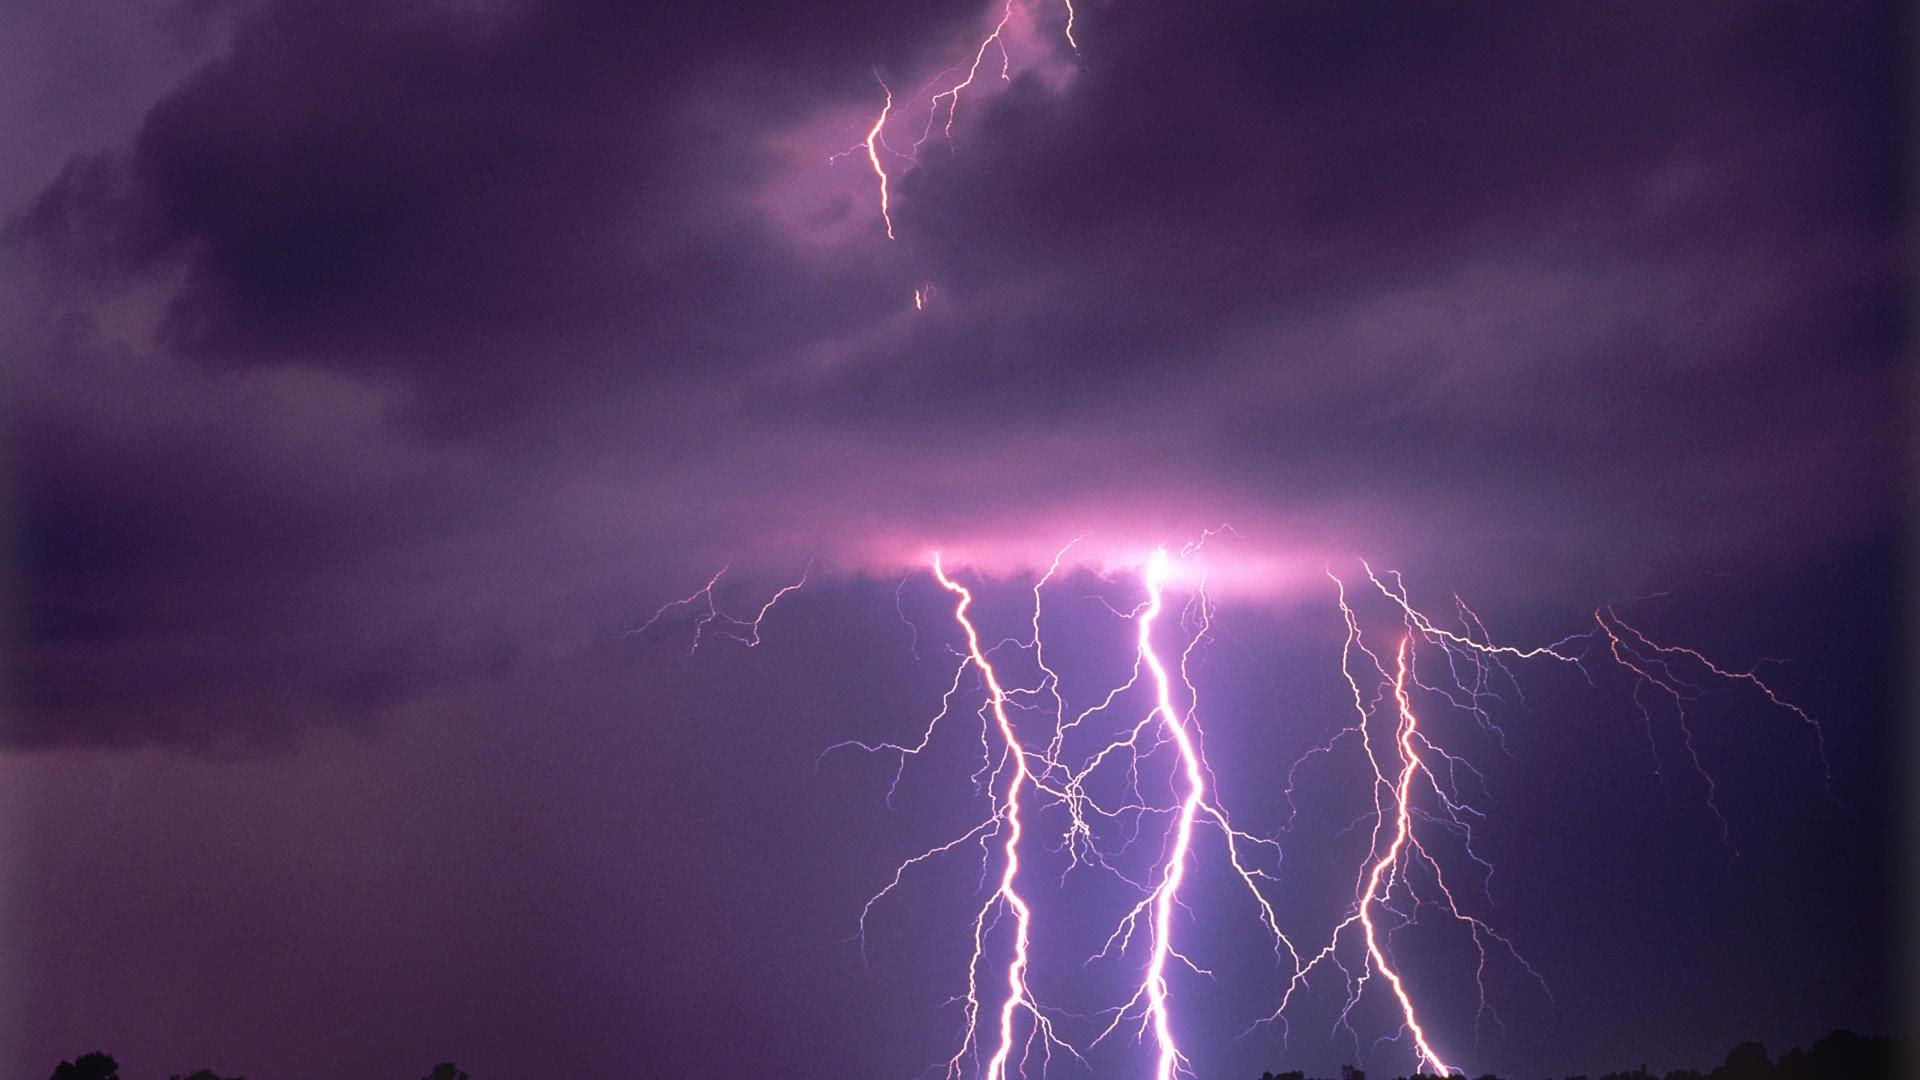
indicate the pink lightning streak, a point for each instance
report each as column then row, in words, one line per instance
column 1016, row 978
column 1175, row 871
column 1387, row 868
column 952, row 93
column 879, row 170
column 1410, row 764
column 1179, row 730
column 945, row 100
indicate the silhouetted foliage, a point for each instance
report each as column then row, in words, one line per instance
column 1748, row 1061
column 94, row 1066
column 1845, row 1054
column 1841, row 1055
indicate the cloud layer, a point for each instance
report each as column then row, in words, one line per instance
column 568, row 299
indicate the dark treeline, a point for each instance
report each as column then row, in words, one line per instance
column 1842, row 1055
column 102, row 1066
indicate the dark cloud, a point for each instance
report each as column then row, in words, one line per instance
column 1324, row 165
column 485, row 201
column 547, row 274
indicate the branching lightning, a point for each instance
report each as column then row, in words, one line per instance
column 942, row 95
column 1175, row 870
column 734, row 628
column 1014, row 764
column 1369, row 894
column 1114, row 777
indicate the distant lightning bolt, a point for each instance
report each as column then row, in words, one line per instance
column 744, row 631
column 945, row 101
column 1748, row 677
column 952, row 93
column 879, row 170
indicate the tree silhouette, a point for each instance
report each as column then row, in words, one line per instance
column 95, row 1066
column 1841, row 1055
column 1845, row 1054
column 1748, row 1061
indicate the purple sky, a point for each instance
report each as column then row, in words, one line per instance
column 371, row 368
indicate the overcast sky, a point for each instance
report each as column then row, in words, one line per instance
column 372, row 368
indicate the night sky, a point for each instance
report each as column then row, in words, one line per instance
column 373, row 369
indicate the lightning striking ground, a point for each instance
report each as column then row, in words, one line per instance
column 1038, row 757
column 1175, row 871
column 1403, row 796
column 1014, row 763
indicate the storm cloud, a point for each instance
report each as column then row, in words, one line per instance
column 1568, row 281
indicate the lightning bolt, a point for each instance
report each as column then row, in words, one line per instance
column 1152, row 998
column 880, row 170
column 1175, row 871
column 945, row 101
column 1015, row 763
column 1410, row 764
column 952, row 93
column 1388, row 868
column 1152, row 995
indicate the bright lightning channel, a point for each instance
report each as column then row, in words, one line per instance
column 1175, row 871
column 1014, row 762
